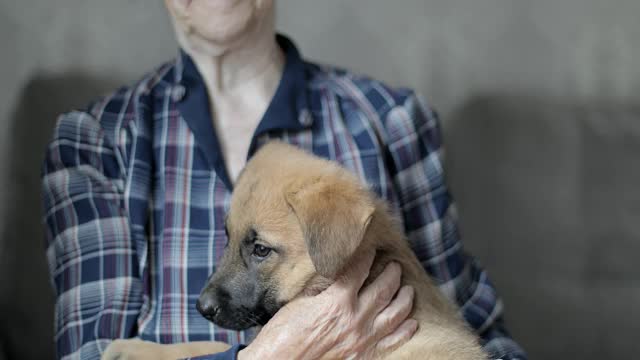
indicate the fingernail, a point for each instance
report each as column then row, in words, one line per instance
column 413, row 325
column 393, row 265
column 409, row 289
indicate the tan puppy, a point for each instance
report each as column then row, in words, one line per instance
column 295, row 221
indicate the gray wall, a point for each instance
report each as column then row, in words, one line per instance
column 539, row 103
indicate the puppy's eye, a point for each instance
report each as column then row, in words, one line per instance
column 260, row 251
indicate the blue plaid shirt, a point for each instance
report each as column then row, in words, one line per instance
column 135, row 194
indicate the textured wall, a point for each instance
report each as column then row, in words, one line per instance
column 534, row 172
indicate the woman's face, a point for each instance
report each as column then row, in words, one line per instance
column 218, row 22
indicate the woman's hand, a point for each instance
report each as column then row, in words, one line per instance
column 341, row 322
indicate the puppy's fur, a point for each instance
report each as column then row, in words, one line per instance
column 312, row 216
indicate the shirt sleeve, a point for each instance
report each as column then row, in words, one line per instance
column 431, row 224
column 92, row 259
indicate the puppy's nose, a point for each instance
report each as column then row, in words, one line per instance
column 208, row 307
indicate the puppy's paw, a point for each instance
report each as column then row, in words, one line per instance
column 131, row 349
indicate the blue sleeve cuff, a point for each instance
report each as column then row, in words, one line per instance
column 230, row 354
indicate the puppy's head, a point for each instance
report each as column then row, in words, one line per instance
column 295, row 220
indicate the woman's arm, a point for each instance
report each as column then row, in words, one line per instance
column 431, row 223
column 92, row 258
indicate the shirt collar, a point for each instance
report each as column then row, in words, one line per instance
column 288, row 108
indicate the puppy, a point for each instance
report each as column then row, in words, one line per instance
column 136, row 349
column 295, row 221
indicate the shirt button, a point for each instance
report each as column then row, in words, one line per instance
column 178, row 92
column 305, row 118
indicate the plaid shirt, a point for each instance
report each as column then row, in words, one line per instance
column 135, row 194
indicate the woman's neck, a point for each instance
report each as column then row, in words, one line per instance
column 251, row 63
column 241, row 79
column 253, row 68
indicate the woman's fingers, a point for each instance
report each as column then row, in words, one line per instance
column 377, row 295
column 343, row 321
column 393, row 321
column 354, row 275
column 396, row 313
column 399, row 337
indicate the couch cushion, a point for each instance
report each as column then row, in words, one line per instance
column 549, row 199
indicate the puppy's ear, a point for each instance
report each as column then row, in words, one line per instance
column 334, row 213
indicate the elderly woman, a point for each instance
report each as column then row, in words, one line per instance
column 136, row 188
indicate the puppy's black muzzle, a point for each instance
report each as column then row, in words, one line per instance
column 208, row 307
column 210, row 303
column 218, row 306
